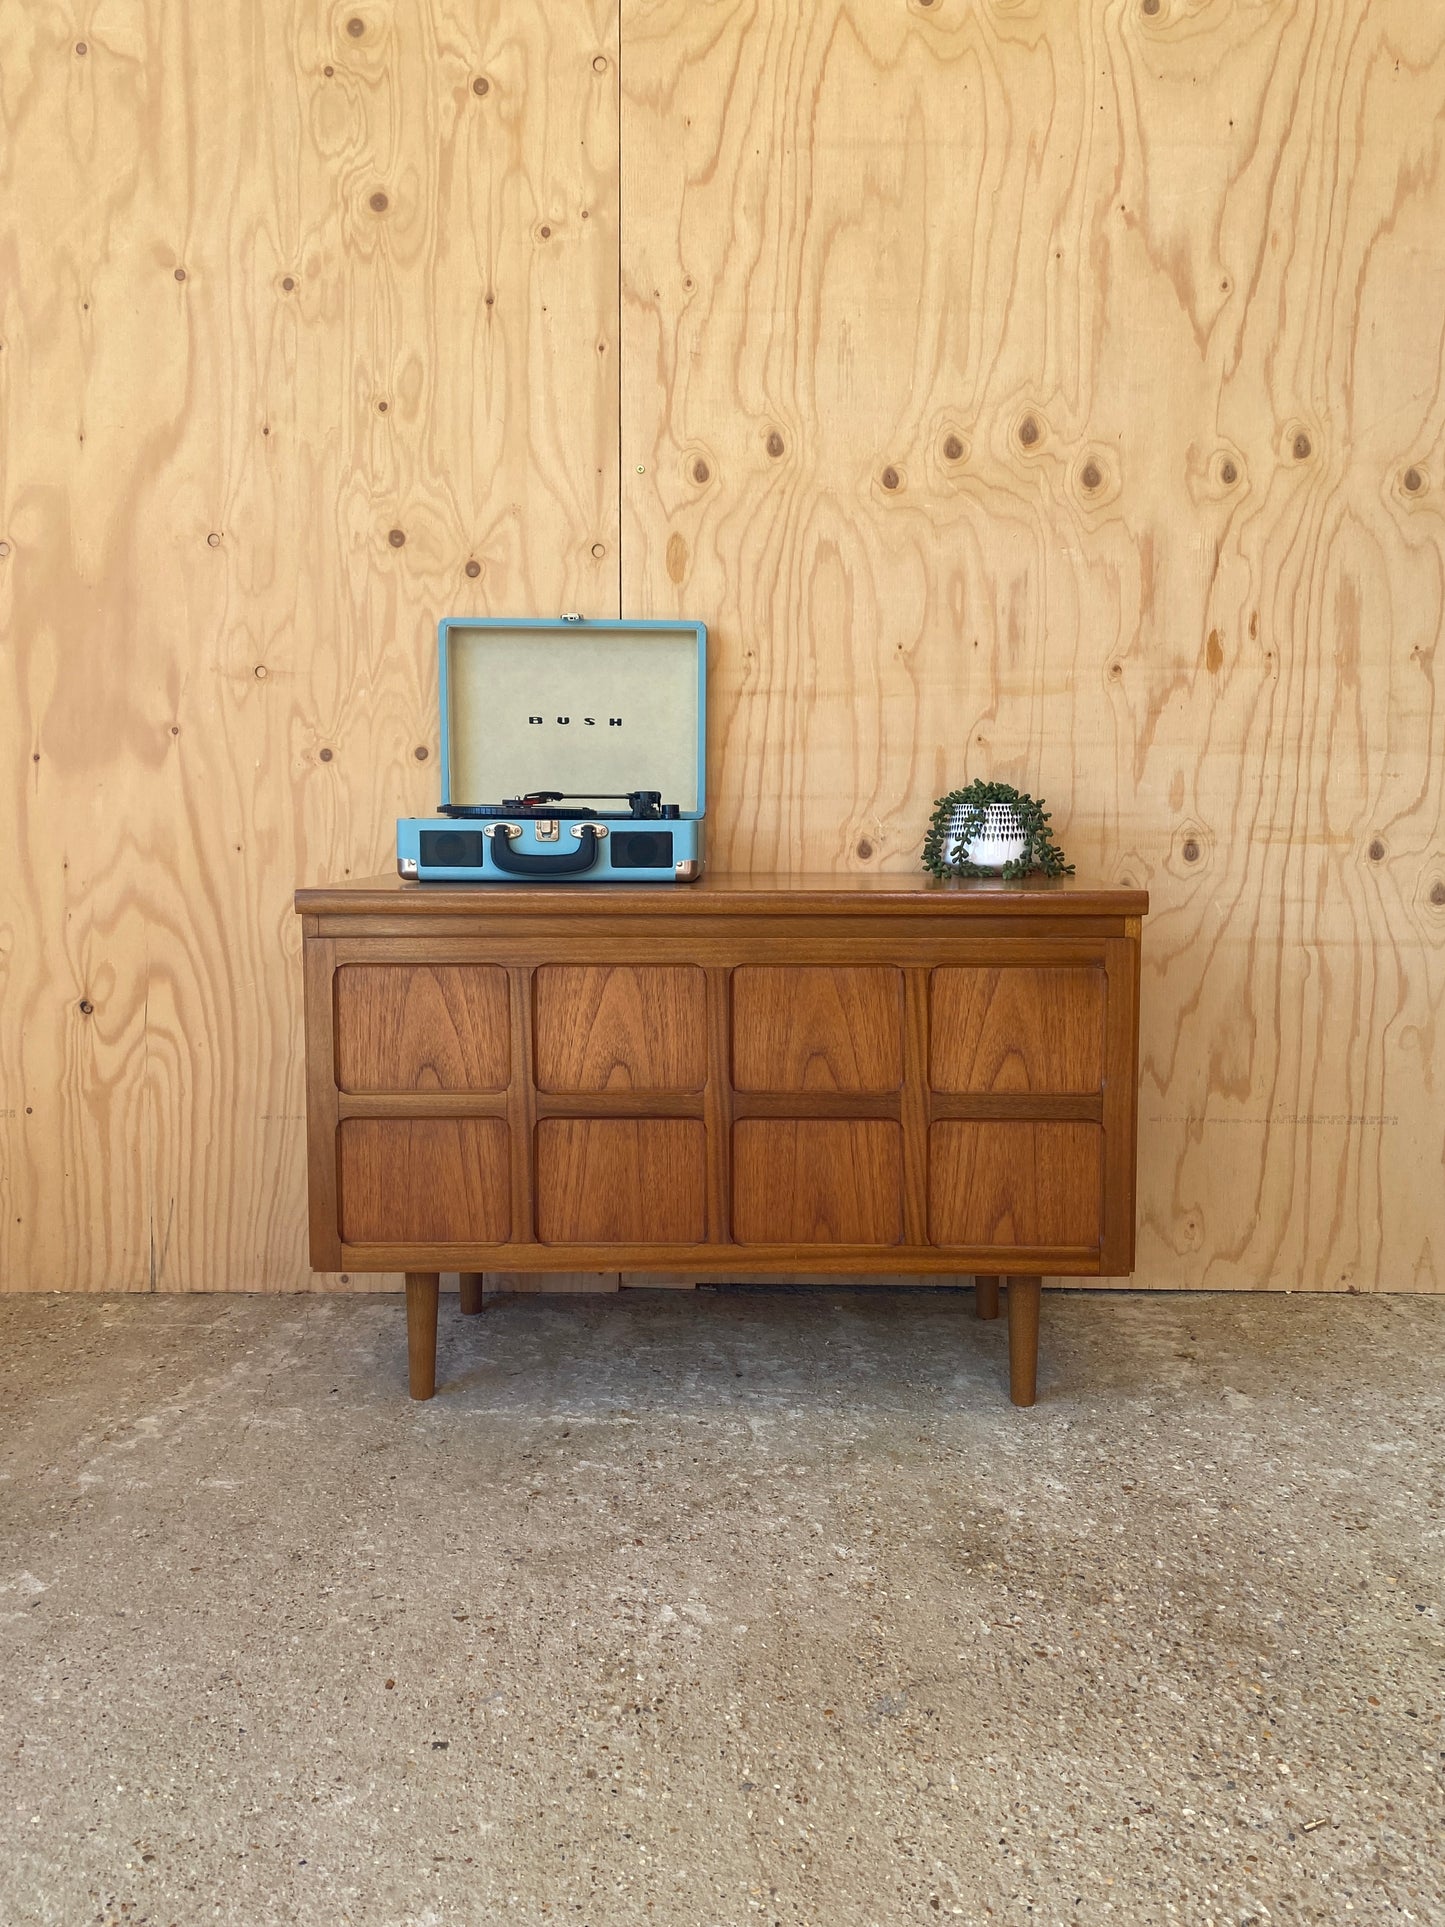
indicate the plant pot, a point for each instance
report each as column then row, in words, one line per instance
column 997, row 840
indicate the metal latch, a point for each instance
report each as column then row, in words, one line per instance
column 546, row 828
column 571, row 618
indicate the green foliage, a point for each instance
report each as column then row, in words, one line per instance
column 1041, row 857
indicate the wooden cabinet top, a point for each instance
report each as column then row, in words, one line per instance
column 723, row 895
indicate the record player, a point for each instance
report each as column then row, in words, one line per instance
column 572, row 751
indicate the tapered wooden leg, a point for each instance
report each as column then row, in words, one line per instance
column 985, row 1297
column 471, row 1284
column 1023, row 1339
column 422, row 1289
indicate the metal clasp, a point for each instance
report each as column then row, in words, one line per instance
column 546, row 828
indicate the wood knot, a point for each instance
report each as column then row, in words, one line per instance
column 474, row 568
column 81, row 48
column 865, row 848
column 326, row 755
column 421, row 752
column 1413, row 479
column 382, row 406
column 1437, row 891
column 1151, row 7
column 86, row 1007
column 1090, row 476
column 355, row 27
column 1301, row 447
column 328, row 71
column 1191, row 850
column 4, row 550
column 1228, row 472
column 953, row 449
column 775, row 444
column 180, row 274
column 1028, row 431
column 260, row 672
column 890, row 478
column 213, row 539
column 288, row 283
column 546, row 233
column 397, row 538
column 700, row 471
column 481, row 85
column 599, row 63
column 379, row 202
column 1377, row 850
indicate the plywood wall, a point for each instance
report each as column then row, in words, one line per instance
column 309, row 326
column 1053, row 392
column 1017, row 387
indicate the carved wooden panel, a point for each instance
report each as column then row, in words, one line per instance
column 421, row 1027
column 620, row 1027
column 424, row 1180
column 811, row 1028
column 816, row 1181
column 1020, row 1028
column 1015, row 1183
column 635, row 1181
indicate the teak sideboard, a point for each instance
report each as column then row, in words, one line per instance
column 736, row 1076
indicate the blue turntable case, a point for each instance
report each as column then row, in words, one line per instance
column 571, row 751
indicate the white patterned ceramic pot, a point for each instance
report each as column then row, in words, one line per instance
column 998, row 839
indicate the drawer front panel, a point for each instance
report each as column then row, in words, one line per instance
column 436, row 1180
column 421, row 1027
column 812, row 1028
column 1019, row 1028
column 814, row 1181
column 635, row 1181
column 1015, row 1183
column 623, row 1027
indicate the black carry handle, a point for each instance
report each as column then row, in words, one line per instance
column 517, row 863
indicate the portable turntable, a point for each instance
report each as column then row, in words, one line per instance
column 571, row 751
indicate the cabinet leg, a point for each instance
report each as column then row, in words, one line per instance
column 1023, row 1338
column 985, row 1297
column 471, row 1284
column 422, row 1290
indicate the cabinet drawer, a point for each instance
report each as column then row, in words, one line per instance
column 809, row 1028
column 638, row 1181
column 1015, row 1183
column 817, row 1181
column 421, row 1027
column 1018, row 1028
column 623, row 1027
column 437, row 1180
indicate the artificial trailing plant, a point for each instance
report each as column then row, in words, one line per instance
column 958, row 817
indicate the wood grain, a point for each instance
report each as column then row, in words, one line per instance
column 621, row 1028
column 426, row 1181
column 217, row 673
column 804, row 1028
column 1057, row 394
column 427, row 1027
column 1023, row 1184
column 1017, row 1029
column 636, row 1181
column 1052, row 393
column 811, row 1181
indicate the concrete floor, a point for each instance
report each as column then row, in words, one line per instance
column 721, row 1607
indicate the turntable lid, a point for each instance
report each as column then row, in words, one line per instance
column 590, row 708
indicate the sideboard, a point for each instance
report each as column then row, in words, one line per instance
column 734, row 1077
